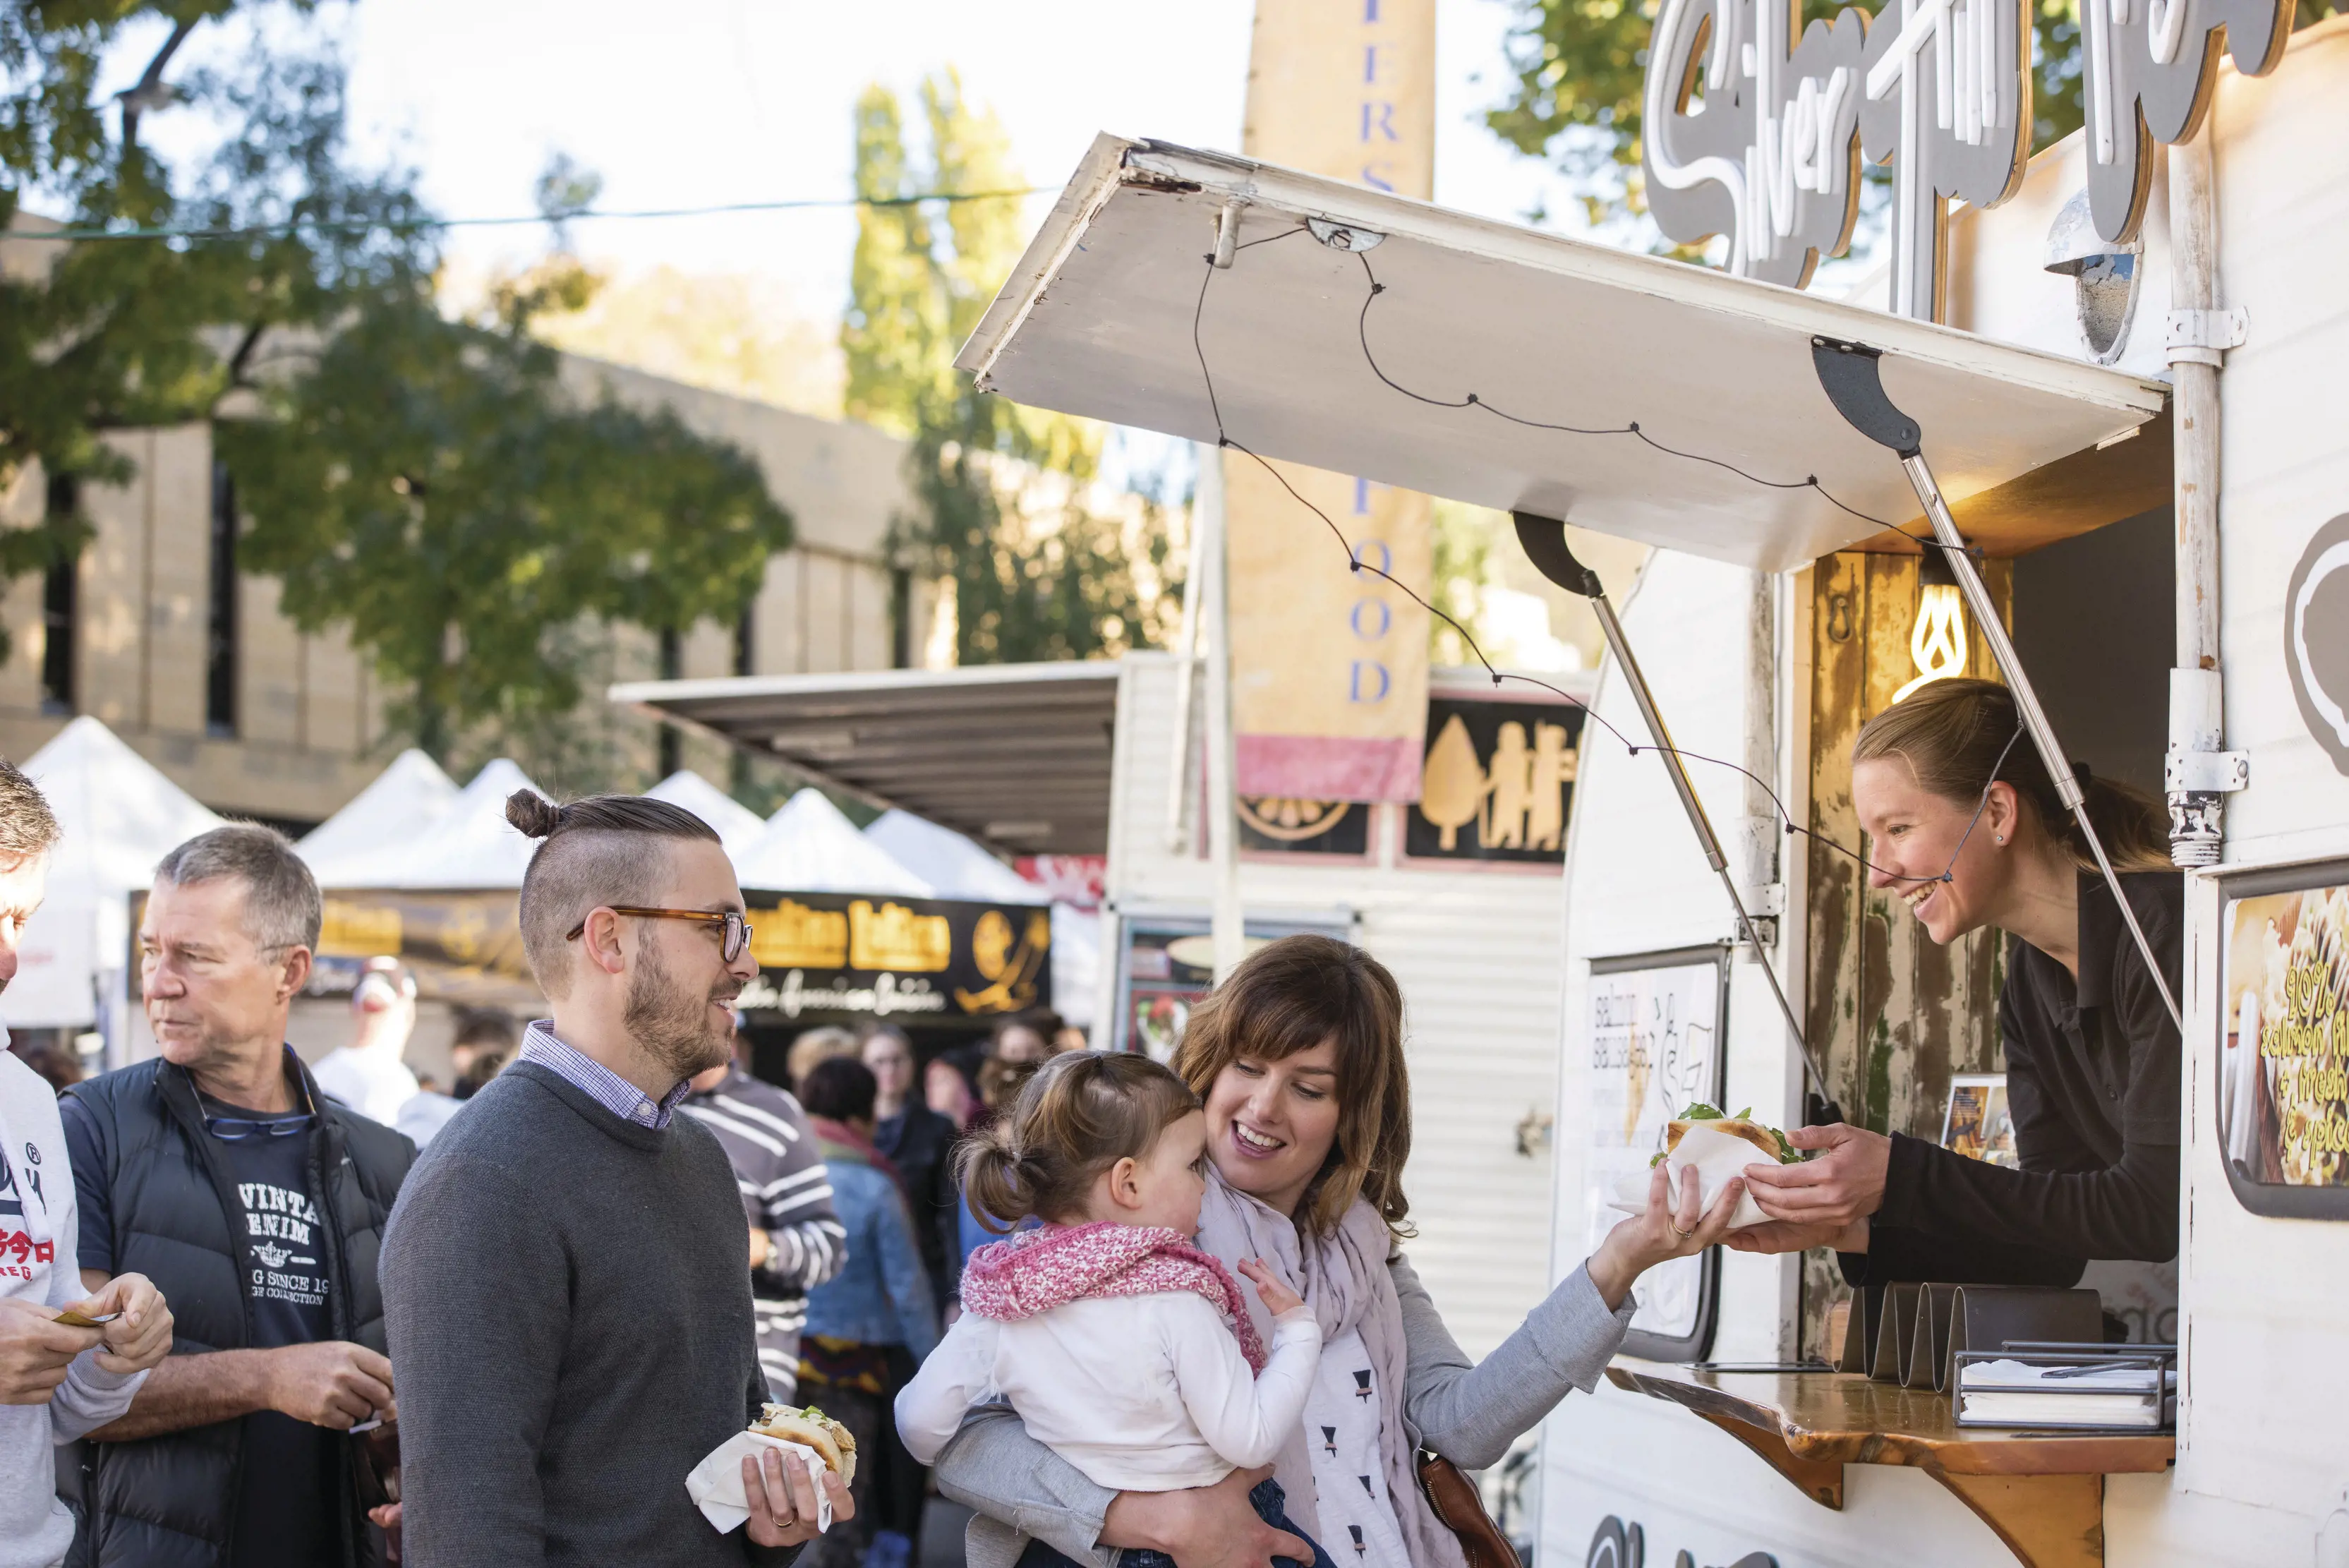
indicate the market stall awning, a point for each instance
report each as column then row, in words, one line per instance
column 1016, row 755
column 1116, row 312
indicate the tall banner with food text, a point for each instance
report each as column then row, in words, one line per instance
column 1329, row 665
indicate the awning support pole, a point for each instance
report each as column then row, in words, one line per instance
column 1228, row 925
column 1852, row 377
column 1544, row 540
column 1180, row 834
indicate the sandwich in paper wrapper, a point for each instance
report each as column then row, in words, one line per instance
column 1717, row 1148
column 806, row 1434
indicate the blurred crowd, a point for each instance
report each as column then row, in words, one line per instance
column 230, row 1204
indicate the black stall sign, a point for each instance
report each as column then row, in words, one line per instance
column 463, row 946
column 1495, row 782
column 843, row 955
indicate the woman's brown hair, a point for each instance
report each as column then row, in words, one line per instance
column 1290, row 996
column 1081, row 1113
column 1952, row 733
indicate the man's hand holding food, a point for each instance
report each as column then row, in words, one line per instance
column 784, row 1506
column 38, row 1345
column 784, row 1510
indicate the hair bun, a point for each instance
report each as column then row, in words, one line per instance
column 532, row 812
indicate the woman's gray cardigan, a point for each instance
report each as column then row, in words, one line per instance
column 1470, row 1413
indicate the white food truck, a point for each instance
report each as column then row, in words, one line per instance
column 2109, row 378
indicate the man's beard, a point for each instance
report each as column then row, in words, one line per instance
column 671, row 1022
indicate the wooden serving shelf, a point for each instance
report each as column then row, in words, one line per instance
column 2041, row 1492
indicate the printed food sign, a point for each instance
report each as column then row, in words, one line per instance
column 1654, row 1040
column 2284, row 1054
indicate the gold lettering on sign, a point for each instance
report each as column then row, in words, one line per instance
column 792, row 936
column 358, row 930
column 1015, row 976
column 894, row 936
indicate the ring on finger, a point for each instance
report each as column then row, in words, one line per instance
column 1683, row 1235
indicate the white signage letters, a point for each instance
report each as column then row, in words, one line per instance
column 1756, row 133
column 1949, row 104
column 2147, row 73
column 1750, row 134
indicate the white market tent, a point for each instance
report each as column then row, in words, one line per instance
column 736, row 824
column 949, row 863
column 119, row 816
column 471, row 845
column 809, row 848
column 382, row 826
column 1105, row 317
column 959, row 869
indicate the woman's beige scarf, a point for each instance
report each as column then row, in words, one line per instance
column 1343, row 1278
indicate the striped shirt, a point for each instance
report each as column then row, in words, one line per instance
column 787, row 1193
column 599, row 1083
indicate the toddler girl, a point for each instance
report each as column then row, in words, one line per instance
column 1123, row 1347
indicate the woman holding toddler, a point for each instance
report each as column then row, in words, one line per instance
column 1292, row 1118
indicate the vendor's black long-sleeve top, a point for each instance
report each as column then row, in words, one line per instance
column 2092, row 1081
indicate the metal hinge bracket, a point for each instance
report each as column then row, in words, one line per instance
column 2206, row 772
column 2200, row 336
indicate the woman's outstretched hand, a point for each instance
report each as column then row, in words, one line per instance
column 1277, row 1297
column 1666, row 1230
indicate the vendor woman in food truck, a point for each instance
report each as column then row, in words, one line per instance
column 1947, row 780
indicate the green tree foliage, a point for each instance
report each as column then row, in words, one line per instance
column 1001, row 508
column 1578, row 67
column 118, row 334
column 1463, row 566
column 426, row 482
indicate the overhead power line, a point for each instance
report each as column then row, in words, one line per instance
column 409, row 225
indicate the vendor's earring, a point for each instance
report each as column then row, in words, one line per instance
column 2001, row 837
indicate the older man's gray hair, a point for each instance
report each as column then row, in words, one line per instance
column 282, row 907
column 27, row 825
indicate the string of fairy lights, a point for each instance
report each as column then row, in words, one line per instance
column 1355, row 562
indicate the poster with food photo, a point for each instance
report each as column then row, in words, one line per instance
column 2283, row 1060
column 1978, row 1125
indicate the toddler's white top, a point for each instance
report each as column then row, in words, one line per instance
column 1141, row 1393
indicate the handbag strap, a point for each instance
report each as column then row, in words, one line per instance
column 1461, row 1508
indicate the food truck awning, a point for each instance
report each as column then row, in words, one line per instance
column 1116, row 312
column 1016, row 755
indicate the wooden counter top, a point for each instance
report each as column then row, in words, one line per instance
column 2041, row 1492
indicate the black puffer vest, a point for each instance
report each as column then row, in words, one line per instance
column 170, row 1501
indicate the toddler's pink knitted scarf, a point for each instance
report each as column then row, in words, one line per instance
column 1036, row 1270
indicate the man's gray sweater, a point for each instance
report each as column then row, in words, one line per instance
column 568, row 1296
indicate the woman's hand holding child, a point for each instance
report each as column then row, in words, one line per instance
column 1277, row 1297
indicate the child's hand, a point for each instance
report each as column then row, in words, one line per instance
column 1277, row 1298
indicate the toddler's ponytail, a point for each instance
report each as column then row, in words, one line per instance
column 989, row 1167
column 1081, row 1113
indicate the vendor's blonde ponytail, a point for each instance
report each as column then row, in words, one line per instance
column 1952, row 733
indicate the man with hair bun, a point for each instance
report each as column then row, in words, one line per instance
column 257, row 1203
column 568, row 1276
column 57, row 1380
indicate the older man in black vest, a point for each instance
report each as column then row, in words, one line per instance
column 258, row 1205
